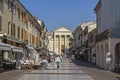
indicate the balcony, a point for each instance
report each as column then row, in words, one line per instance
column 111, row 32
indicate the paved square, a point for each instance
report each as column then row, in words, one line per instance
column 68, row 71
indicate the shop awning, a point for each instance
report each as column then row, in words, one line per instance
column 17, row 49
column 4, row 46
column 8, row 47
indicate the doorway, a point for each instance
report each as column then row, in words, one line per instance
column 62, row 49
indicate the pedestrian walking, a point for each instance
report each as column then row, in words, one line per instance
column 44, row 63
column 49, row 61
column 58, row 61
column 17, row 64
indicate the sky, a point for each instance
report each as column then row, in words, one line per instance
column 59, row 13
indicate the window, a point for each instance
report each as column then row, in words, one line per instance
column 18, row 13
column 9, row 5
column 26, row 25
column 0, row 23
column 22, row 34
column 79, row 37
column 22, row 14
column 13, row 30
column 30, row 23
column 25, row 35
column 25, row 17
column 40, row 43
column 14, row 9
column 30, row 38
column 18, row 35
column 9, row 28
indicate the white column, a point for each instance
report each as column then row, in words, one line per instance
column 60, row 44
column 65, row 43
column 54, row 42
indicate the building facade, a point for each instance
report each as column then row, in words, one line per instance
column 108, row 38
column 81, row 40
column 19, row 29
column 43, row 37
column 50, row 41
column 92, row 45
column 60, row 42
column 76, row 42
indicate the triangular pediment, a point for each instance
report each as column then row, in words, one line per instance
column 62, row 29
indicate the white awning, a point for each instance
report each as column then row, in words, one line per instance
column 8, row 47
column 17, row 49
column 5, row 48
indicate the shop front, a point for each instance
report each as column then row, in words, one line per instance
column 17, row 53
column 5, row 52
column 31, row 54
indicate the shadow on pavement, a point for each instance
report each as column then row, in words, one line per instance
column 85, row 64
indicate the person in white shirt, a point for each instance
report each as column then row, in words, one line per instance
column 58, row 61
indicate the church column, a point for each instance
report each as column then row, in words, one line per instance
column 65, row 43
column 60, row 44
column 54, row 42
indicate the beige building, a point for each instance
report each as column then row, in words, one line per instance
column 81, row 40
column 60, row 41
column 92, row 45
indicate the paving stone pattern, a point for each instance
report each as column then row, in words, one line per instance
column 67, row 71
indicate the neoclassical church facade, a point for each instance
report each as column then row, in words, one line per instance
column 59, row 42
